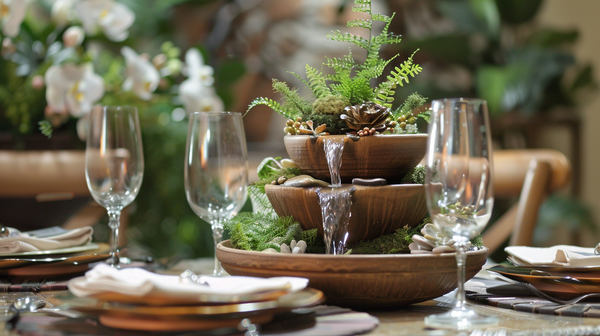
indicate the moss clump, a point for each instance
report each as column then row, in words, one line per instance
column 415, row 175
column 331, row 105
column 335, row 125
column 396, row 242
column 259, row 231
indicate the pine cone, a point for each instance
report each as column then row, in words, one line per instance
column 369, row 115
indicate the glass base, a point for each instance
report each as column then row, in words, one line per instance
column 459, row 319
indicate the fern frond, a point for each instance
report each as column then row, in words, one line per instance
column 382, row 18
column 345, row 63
column 260, row 201
column 363, row 6
column 292, row 99
column 316, row 82
column 299, row 77
column 374, row 68
column 397, row 77
column 361, row 23
column 273, row 105
column 351, row 38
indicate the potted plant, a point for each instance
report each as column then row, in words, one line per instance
column 380, row 141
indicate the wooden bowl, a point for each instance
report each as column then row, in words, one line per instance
column 387, row 156
column 358, row 281
column 376, row 211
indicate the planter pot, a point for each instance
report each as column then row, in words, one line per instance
column 386, row 156
column 41, row 188
column 376, row 211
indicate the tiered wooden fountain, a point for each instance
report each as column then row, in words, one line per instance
column 390, row 280
column 382, row 146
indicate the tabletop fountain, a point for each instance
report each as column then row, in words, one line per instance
column 353, row 191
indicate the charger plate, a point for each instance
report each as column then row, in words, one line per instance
column 148, row 324
column 74, row 249
column 560, row 284
column 363, row 281
column 305, row 298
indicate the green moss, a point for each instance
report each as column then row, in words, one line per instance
column 335, row 125
column 415, row 175
column 330, row 105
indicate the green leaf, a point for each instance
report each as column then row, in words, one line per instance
column 518, row 11
column 266, row 167
column 488, row 12
column 552, row 38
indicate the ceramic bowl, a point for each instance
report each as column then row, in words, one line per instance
column 376, row 211
column 386, row 156
column 358, row 281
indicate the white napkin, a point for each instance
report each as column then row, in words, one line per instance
column 559, row 255
column 138, row 282
column 18, row 241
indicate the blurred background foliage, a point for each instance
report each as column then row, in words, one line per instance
column 493, row 49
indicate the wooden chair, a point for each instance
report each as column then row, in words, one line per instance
column 46, row 181
column 532, row 175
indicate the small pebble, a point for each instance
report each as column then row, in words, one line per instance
column 302, row 246
column 293, row 244
column 296, row 250
column 443, row 249
column 285, row 248
column 287, row 163
column 305, row 181
column 274, row 183
column 281, row 180
column 420, row 252
column 369, row 182
column 270, row 250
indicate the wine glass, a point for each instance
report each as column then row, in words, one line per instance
column 114, row 163
column 216, row 169
column 459, row 191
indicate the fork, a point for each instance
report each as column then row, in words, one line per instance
column 543, row 295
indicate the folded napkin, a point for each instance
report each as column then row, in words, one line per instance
column 560, row 255
column 138, row 282
column 18, row 241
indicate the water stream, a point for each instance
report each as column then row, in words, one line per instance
column 336, row 201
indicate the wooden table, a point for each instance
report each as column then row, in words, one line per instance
column 403, row 321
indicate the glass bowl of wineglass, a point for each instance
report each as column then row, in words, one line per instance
column 216, row 169
column 459, row 189
column 114, row 163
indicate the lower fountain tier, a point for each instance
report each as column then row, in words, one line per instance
column 375, row 211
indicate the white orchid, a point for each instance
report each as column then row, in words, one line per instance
column 12, row 13
column 63, row 12
column 142, row 76
column 199, row 98
column 196, row 69
column 73, row 36
column 74, row 88
column 113, row 18
column 196, row 92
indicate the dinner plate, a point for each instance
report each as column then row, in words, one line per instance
column 74, row 249
column 149, row 324
column 554, row 268
column 561, row 284
column 305, row 298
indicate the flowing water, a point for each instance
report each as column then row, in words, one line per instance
column 335, row 201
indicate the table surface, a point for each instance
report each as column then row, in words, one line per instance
column 403, row 321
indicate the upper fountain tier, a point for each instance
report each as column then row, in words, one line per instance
column 386, row 156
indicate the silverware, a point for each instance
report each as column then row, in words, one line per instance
column 21, row 305
column 545, row 296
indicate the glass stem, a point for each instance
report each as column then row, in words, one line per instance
column 461, row 259
column 217, row 230
column 114, row 220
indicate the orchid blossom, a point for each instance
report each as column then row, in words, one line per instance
column 74, row 88
column 113, row 18
column 196, row 69
column 63, row 12
column 196, row 92
column 12, row 13
column 142, row 76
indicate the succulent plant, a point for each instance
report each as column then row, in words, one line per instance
column 369, row 115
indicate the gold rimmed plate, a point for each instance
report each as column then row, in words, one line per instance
column 305, row 298
column 67, row 250
column 561, row 284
